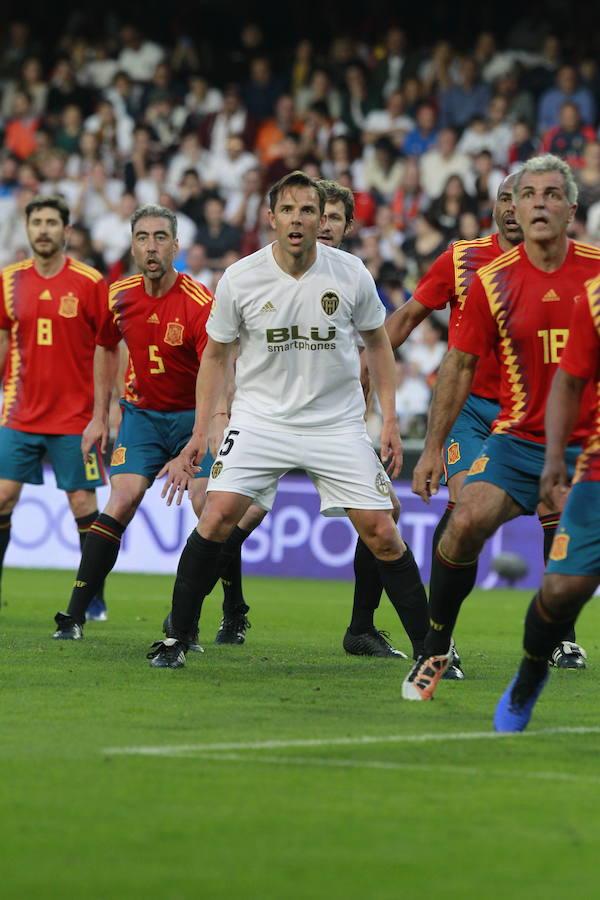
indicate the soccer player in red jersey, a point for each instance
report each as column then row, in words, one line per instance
column 161, row 316
column 520, row 305
column 51, row 307
column 573, row 571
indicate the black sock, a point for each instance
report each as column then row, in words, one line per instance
column 230, row 572
column 439, row 528
column 542, row 631
column 368, row 588
column 100, row 551
column 450, row 584
column 4, row 538
column 84, row 524
column 403, row 585
column 197, row 574
column 549, row 524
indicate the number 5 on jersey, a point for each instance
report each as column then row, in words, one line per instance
column 158, row 366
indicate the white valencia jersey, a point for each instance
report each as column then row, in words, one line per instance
column 298, row 365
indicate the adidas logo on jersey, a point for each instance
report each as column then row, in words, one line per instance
column 268, row 307
column 153, row 319
column 45, row 295
column 550, row 296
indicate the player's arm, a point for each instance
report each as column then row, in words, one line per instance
column 452, row 388
column 380, row 360
column 106, row 365
column 4, row 346
column 403, row 321
column 211, row 389
column 562, row 412
column 578, row 364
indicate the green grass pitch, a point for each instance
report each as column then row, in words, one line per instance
column 284, row 769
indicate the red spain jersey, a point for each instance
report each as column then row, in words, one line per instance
column 582, row 359
column 53, row 323
column 165, row 337
column 448, row 282
column 524, row 313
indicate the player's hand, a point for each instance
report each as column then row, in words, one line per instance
column 176, row 482
column 218, row 424
column 427, row 474
column 365, row 381
column 554, row 484
column 95, row 432
column 391, row 448
column 182, row 469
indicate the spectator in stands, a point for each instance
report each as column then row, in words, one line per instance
column 447, row 209
column 139, row 56
column 468, row 98
column 111, row 232
column 262, row 88
column 319, row 89
column 32, row 81
column 442, row 161
column 216, row 235
column 196, row 264
column 424, row 246
column 520, row 105
column 55, row 180
column 233, row 118
column 79, row 246
column 424, row 135
column 588, row 176
column 523, row 144
column 191, row 195
column 186, row 227
column 566, row 90
column 394, row 65
column 64, row 91
column 243, row 205
column 569, row 138
column 383, row 171
column 21, row 127
column 201, row 100
column 426, row 348
column 292, row 157
column 115, row 136
column 225, row 174
column 101, row 194
column 190, row 155
column 409, row 198
column 68, row 134
column 271, row 134
column 357, row 100
column 391, row 122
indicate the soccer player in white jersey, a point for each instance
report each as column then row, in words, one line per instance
column 294, row 305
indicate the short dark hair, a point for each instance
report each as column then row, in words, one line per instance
column 54, row 202
column 335, row 193
column 296, row 179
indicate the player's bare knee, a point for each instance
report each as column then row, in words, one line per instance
column 82, row 503
column 563, row 597
column 123, row 503
column 252, row 518
column 383, row 539
column 9, row 495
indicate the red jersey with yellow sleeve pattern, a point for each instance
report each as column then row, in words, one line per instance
column 53, row 323
column 582, row 359
column 524, row 313
column 165, row 337
column 447, row 282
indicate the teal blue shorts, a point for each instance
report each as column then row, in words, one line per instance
column 470, row 430
column 576, row 546
column 148, row 439
column 22, row 454
column 515, row 465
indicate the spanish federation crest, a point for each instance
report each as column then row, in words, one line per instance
column 118, row 457
column 329, row 302
column 68, row 306
column 174, row 334
column 560, row 546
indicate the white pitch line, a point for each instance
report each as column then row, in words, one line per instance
column 175, row 749
column 467, row 771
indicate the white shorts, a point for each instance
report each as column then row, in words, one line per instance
column 344, row 468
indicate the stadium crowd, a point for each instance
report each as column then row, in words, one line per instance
column 423, row 137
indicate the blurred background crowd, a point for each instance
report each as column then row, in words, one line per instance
column 112, row 116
